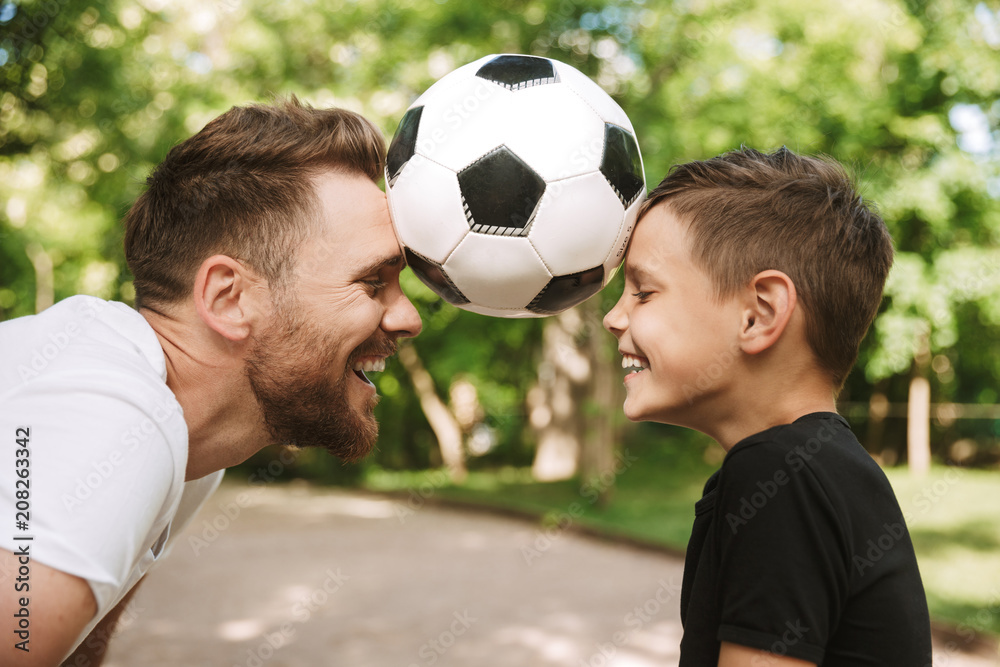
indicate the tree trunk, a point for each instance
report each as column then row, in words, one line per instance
column 575, row 405
column 918, row 413
column 44, row 279
column 878, row 410
column 597, row 465
column 442, row 421
column 556, row 402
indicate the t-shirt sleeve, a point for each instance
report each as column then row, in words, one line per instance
column 101, row 471
column 784, row 577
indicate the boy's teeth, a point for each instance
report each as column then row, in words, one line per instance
column 377, row 366
column 631, row 361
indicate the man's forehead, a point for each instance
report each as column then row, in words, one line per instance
column 352, row 214
column 345, row 197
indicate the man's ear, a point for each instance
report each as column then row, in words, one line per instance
column 771, row 300
column 226, row 298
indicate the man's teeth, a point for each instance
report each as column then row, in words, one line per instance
column 630, row 361
column 376, row 366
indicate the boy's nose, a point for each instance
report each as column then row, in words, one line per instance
column 616, row 321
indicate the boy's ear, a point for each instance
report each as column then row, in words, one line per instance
column 771, row 300
column 226, row 297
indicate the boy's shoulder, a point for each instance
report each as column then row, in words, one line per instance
column 810, row 440
column 799, row 524
column 817, row 453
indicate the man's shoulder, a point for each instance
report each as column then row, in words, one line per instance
column 81, row 334
column 89, row 370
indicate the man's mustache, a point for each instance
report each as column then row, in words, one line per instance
column 383, row 347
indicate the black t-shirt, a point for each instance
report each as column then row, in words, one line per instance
column 800, row 548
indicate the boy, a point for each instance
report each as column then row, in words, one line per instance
column 750, row 281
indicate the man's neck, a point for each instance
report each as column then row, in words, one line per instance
column 223, row 418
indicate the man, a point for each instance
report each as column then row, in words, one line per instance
column 267, row 283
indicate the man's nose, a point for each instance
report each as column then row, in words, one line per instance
column 402, row 318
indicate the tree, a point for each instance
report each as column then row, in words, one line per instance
column 94, row 94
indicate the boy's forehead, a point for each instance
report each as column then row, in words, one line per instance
column 657, row 243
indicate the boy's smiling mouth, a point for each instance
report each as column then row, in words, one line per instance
column 631, row 361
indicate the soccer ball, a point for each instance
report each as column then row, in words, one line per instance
column 513, row 185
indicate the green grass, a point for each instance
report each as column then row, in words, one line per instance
column 953, row 516
column 652, row 499
column 954, row 521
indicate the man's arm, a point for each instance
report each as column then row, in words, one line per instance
column 92, row 651
column 59, row 606
column 734, row 655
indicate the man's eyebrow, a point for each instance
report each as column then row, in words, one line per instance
column 377, row 265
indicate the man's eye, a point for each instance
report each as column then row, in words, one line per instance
column 375, row 285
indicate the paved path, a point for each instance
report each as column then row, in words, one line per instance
column 298, row 577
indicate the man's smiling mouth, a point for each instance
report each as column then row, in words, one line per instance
column 368, row 365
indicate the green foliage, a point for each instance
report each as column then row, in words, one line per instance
column 92, row 95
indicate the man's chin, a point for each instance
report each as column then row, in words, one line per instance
column 351, row 439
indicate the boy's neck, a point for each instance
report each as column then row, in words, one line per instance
column 772, row 404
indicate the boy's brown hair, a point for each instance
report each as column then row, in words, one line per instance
column 241, row 187
column 749, row 211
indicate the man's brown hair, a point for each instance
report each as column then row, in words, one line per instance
column 749, row 211
column 241, row 187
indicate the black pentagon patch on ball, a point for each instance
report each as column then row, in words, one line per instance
column 518, row 72
column 500, row 193
column 433, row 275
column 563, row 292
column 404, row 144
column 621, row 163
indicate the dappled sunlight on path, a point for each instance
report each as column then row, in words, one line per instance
column 287, row 576
column 291, row 576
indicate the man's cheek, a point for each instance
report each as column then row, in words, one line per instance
column 373, row 319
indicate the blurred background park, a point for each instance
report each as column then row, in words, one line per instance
column 526, row 414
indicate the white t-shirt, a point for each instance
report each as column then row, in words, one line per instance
column 107, row 446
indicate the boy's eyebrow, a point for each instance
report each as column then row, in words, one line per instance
column 638, row 274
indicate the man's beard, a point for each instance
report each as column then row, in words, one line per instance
column 289, row 370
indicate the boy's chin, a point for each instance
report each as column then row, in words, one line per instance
column 635, row 411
